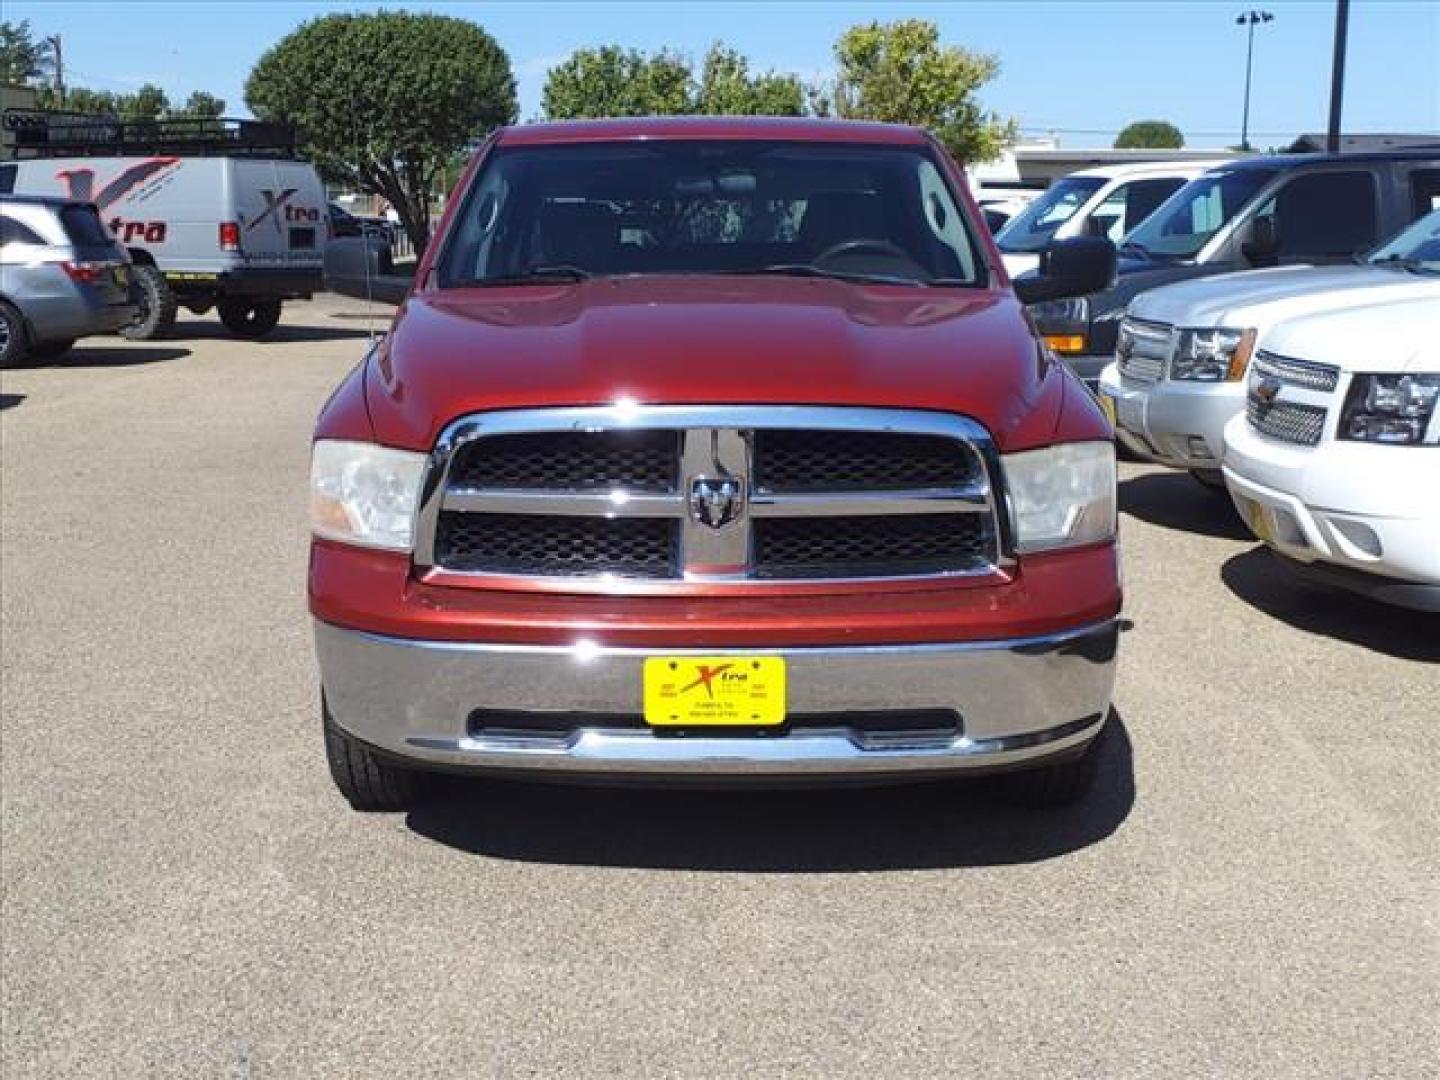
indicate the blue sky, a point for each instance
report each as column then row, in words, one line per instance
column 1082, row 69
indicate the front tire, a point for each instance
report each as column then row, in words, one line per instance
column 369, row 782
column 1063, row 783
column 14, row 349
column 249, row 318
column 157, row 306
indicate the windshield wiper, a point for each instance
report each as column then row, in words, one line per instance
column 811, row 270
column 541, row 274
column 1404, row 262
column 1131, row 245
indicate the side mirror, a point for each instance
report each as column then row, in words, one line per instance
column 362, row 268
column 1261, row 243
column 1069, row 268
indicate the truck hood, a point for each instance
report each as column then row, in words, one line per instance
column 1397, row 335
column 1260, row 298
column 712, row 340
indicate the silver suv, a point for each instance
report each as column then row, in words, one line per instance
column 62, row 277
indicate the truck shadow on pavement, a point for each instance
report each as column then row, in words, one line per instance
column 900, row 827
column 202, row 329
column 109, row 356
column 1176, row 500
column 1255, row 577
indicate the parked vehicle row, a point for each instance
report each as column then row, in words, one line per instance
column 1250, row 213
column 1311, row 393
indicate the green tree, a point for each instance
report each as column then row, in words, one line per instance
column 611, row 81
column 899, row 72
column 201, row 105
column 22, row 58
column 1150, row 135
column 726, row 88
column 383, row 101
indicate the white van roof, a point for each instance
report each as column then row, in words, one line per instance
column 1150, row 168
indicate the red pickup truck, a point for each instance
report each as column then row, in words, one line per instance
column 718, row 450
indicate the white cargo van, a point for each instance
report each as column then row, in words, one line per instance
column 214, row 213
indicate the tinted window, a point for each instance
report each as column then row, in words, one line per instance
column 1187, row 220
column 84, row 227
column 1037, row 224
column 1129, row 204
column 7, row 178
column 14, row 232
column 1325, row 215
column 1425, row 190
column 673, row 207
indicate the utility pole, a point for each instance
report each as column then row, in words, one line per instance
column 54, row 42
column 1337, row 76
column 1249, row 19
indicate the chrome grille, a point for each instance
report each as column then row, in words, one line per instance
column 1311, row 376
column 671, row 494
column 1288, row 399
column 1142, row 350
column 1288, row 420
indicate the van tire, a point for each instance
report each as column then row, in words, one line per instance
column 249, row 318
column 157, row 306
column 13, row 337
column 369, row 782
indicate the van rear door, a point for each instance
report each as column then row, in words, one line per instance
column 281, row 207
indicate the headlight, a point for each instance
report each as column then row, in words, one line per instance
column 1214, row 355
column 361, row 493
column 1062, row 496
column 1390, row 409
column 1063, row 323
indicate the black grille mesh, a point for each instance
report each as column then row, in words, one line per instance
column 852, row 461
column 637, row 460
column 1291, row 421
column 556, row 546
column 869, row 546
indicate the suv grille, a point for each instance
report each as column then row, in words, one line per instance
column 1299, row 415
column 1143, row 350
column 722, row 493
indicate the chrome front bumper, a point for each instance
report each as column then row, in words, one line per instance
column 1017, row 701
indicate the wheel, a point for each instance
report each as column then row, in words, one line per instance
column 368, row 781
column 52, row 350
column 249, row 318
column 13, row 350
column 1213, row 479
column 1061, row 784
column 157, row 306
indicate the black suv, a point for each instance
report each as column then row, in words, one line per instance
column 1256, row 212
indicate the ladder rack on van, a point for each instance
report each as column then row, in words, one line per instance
column 42, row 134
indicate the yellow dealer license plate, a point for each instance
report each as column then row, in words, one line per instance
column 714, row 691
column 1107, row 406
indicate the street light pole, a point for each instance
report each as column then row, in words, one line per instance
column 1249, row 19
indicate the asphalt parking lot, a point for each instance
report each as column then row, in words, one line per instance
column 1255, row 890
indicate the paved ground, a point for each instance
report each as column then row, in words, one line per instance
column 1255, row 892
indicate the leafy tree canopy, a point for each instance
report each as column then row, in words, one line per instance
column 1150, row 135
column 611, row 81
column 22, row 58
column 384, row 101
column 900, row 73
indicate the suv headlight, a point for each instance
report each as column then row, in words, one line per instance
column 1062, row 496
column 1212, row 355
column 365, row 494
column 1392, row 409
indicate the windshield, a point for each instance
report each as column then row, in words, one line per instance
column 1186, row 221
column 1036, row 225
column 1417, row 246
column 867, row 212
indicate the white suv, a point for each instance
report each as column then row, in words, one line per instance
column 1336, row 462
column 1184, row 350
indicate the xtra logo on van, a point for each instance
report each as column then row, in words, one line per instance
column 81, row 185
column 278, row 205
